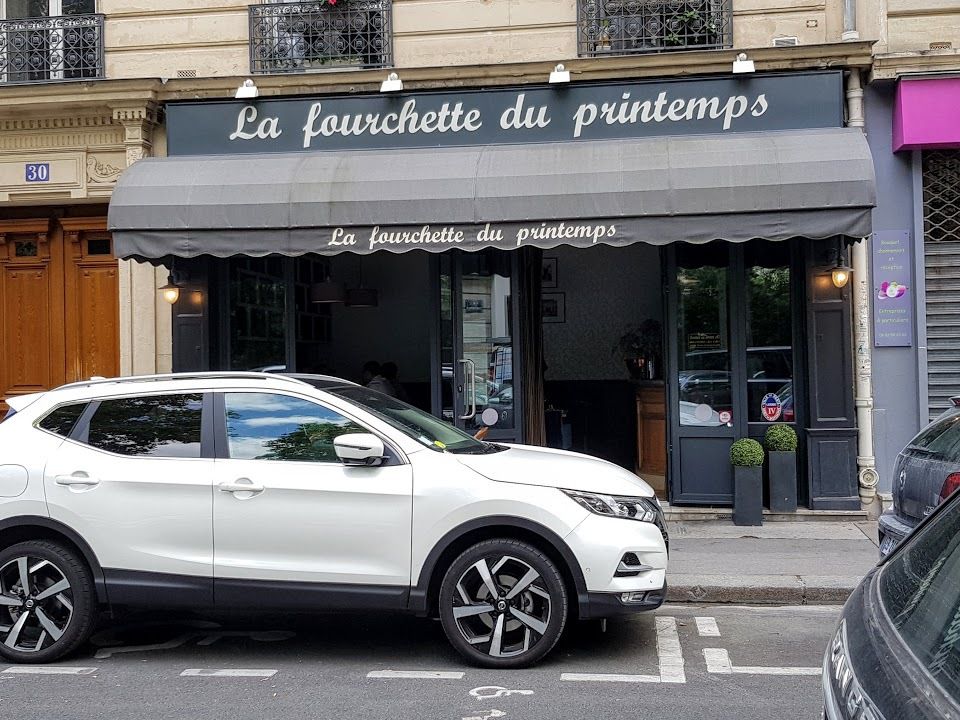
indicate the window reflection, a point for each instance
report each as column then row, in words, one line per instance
column 157, row 426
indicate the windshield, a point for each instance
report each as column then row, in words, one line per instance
column 919, row 590
column 413, row 422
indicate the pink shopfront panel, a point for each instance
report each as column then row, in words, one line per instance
column 927, row 114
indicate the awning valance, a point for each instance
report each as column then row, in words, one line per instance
column 773, row 185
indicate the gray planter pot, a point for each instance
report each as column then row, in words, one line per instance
column 782, row 472
column 747, row 495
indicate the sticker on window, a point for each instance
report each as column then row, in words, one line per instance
column 772, row 407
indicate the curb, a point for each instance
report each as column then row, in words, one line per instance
column 761, row 589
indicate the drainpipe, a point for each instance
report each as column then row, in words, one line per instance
column 867, row 475
column 850, row 32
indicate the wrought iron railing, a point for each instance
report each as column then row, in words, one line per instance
column 46, row 49
column 628, row 27
column 297, row 37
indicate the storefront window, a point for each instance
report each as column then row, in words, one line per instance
column 257, row 313
column 769, row 333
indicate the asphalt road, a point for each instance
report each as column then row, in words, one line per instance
column 763, row 663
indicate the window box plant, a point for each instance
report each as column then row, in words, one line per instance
column 746, row 456
column 781, row 443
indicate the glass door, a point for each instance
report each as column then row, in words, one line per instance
column 478, row 379
column 703, row 382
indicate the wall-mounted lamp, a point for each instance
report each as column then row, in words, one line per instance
column 247, row 91
column 171, row 291
column 841, row 272
column 743, row 65
column 841, row 275
column 559, row 75
column 393, row 83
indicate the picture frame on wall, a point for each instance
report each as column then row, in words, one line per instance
column 553, row 307
column 548, row 277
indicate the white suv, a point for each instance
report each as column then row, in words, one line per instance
column 218, row 490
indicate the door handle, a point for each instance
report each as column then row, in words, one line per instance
column 470, row 382
column 241, row 485
column 77, row 478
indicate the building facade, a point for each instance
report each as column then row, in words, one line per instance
column 911, row 99
column 539, row 336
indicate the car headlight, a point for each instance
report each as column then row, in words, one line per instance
column 632, row 508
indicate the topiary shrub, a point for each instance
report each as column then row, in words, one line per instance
column 746, row 452
column 780, row 438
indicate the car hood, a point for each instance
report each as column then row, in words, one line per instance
column 528, row 465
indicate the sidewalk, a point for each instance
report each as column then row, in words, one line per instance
column 778, row 563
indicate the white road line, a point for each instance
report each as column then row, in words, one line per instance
column 669, row 657
column 707, row 627
column 228, row 672
column 600, row 677
column 47, row 670
column 416, row 674
column 669, row 651
column 718, row 662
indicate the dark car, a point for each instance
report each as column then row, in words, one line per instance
column 896, row 652
column 927, row 471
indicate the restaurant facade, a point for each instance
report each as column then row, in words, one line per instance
column 642, row 270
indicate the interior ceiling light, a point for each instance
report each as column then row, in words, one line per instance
column 327, row 291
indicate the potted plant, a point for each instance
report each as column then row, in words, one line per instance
column 781, row 443
column 603, row 40
column 746, row 456
column 641, row 348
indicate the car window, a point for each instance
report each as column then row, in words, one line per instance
column 265, row 426
column 155, row 426
column 941, row 438
column 61, row 420
column 918, row 588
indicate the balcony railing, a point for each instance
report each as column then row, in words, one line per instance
column 51, row 49
column 298, row 37
column 629, row 27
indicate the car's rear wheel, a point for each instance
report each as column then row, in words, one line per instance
column 47, row 602
column 503, row 604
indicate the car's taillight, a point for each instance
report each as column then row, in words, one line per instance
column 950, row 485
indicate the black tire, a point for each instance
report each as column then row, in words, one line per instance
column 542, row 603
column 71, row 612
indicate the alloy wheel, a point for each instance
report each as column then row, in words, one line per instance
column 36, row 604
column 501, row 606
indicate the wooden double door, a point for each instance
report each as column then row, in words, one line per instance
column 59, row 306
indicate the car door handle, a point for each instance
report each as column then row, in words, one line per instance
column 241, row 485
column 77, row 478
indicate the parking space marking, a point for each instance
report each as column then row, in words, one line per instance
column 718, row 662
column 707, row 627
column 609, row 677
column 669, row 659
column 416, row 674
column 228, row 672
column 47, row 670
column 669, row 652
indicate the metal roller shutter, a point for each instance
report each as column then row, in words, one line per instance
column 941, row 222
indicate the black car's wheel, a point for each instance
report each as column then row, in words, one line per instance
column 503, row 604
column 47, row 602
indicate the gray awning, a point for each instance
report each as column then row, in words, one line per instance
column 774, row 185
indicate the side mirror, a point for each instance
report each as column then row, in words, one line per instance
column 359, row 449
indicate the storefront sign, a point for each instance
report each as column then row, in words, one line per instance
column 892, row 294
column 925, row 115
column 531, row 114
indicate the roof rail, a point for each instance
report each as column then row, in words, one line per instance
column 211, row 375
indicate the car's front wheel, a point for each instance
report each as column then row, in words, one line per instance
column 47, row 602
column 503, row 604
